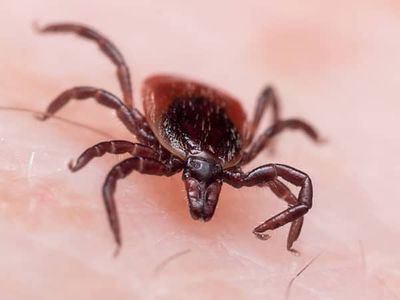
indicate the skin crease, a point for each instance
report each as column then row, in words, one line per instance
column 336, row 67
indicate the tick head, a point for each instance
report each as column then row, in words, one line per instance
column 203, row 185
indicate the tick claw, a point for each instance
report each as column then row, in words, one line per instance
column 72, row 166
column 294, row 252
column 262, row 236
column 41, row 116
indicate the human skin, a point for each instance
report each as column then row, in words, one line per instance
column 333, row 66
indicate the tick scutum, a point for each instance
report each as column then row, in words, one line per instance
column 199, row 124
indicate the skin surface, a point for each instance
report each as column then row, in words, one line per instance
column 336, row 66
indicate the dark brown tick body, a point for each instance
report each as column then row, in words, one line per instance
column 190, row 127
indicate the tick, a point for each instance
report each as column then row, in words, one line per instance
column 191, row 127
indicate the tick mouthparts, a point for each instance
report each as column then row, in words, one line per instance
column 202, row 198
column 200, row 210
column 200, row 216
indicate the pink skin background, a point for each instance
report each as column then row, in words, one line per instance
column 334, row 63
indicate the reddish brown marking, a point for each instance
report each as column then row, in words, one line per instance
column 160, row 91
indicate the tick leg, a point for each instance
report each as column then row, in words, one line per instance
column 265, row 175
column 283, row 192
column 274, row 130
column 268, row 97
column 113, row 147
column 140, row 164
column 132, row 119
column 106, row 46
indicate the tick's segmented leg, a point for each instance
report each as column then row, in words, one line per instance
column 283, row 192
column 140, row 164
column 112, row 147
column 106, row 46
column 268, row 97
column 267, row 174
column 274, row 130
column 132, row 119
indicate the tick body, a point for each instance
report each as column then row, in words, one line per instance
column 193, row 128
column 188, row 117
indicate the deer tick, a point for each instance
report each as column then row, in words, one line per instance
column 191, row 127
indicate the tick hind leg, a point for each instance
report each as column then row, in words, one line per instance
column 112, row 147
column 140, row 164
column 266, row 137
column 106, row 46
column 268, row 175
column 132, row 119
column 268, row 97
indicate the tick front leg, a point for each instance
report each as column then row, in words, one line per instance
column 121, row 170
column 112, row 147
column 277, row 128
column 269, row 174
column 132, row 119
column 106, row 46
column 283, row 192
